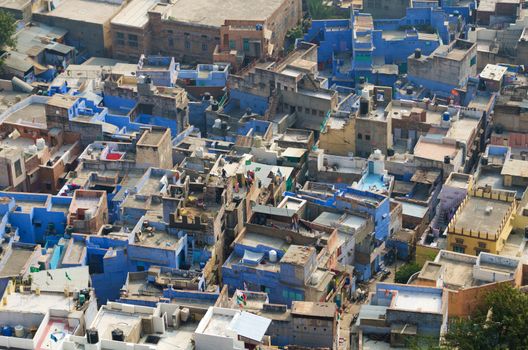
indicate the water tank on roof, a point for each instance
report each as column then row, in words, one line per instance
column 92, row 336
column 32, row 149
column 217, row 124
column 417, row 53
column 273, row 256
column 7, row 331
column 118, row 335
column 446, row 116
column 214, row 105
column 184, row 314
column 41, row 143
column 19, row 331
column 363, row 107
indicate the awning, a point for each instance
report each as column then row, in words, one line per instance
column 252, row 257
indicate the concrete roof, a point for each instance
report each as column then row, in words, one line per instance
column 417, row 301
column 214, row 13
column 493, row 72
column 29, row 114
column 98, row 12
column 135, row 14
column 515, row 167
column 473, row 215
column 297, row 255
column 58, row 279
column 307, row 308
column 13, row 4
column 434, row 151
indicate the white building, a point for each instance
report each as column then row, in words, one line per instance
column 228, row 329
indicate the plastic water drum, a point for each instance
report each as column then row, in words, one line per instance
column 19, row 331
column 184, row 314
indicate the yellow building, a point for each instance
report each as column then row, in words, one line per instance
column 482, row 222
column 339, row 136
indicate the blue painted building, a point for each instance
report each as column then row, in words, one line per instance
column 369, row 250
column 37, row 217
column 264, row 261
column 424, row 309
column 377, row 50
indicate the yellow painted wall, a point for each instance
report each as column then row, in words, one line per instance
column 339, row 142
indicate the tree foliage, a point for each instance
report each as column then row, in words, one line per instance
column 7, row 29
column 319, row 10
column 404, row 272
column 500, row 323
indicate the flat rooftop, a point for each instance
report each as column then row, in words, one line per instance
column 159, row 239
column 151, row 137
column 16, row 261
column 344, row 222
column 34, row 113
column 214, row 13
column 473, row 215
column 463, row 129
column 434, row 151
column 13, row 4
column 515, row 167
column 458, row 180
column 32, row 303
column 493, row 72
column 135, row 14
column 307, row 308
column 98, row 12
column 252, row 239
column 416, row 301
column 297, row 255
column 458, row 272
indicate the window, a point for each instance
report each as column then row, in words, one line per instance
column 367, row 137
column 299, row 108
column 18, row 168
column 321, row 113
column 120, row 39
column 204, row 46
column 459, row 241
column 187, row 44
column 482, row 245
column 232, row 44
column 133, row 40
column 360, row 137
column 314, row 112
column 246, row 45
column 459, row 249
column 171, row 42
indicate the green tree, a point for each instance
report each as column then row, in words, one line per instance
column 318, row 9
column 501, row 322
column 404, row 272
column 7, row 29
